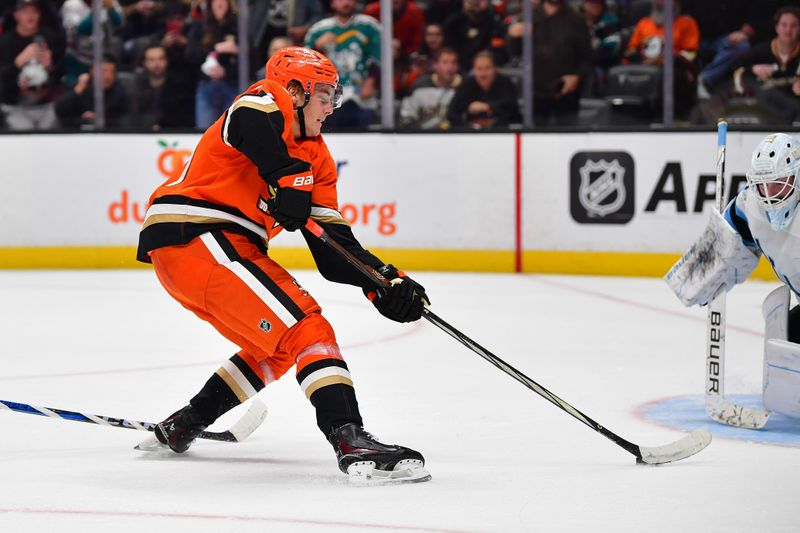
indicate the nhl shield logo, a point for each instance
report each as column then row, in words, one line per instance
column 602, row 187
column 602, row 190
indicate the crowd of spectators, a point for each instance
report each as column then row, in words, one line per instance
column 174, row 64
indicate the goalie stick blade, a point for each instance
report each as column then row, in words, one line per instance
column 731, row 414
column 675, row 451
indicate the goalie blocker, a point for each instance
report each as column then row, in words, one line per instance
column 718, row 257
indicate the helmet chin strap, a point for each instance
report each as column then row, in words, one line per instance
column 300, row 115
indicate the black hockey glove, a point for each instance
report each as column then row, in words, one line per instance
column 290, row 207
column 403, row 301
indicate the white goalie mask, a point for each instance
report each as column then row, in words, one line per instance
column 773, row 177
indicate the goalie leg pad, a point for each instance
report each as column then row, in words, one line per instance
column 776, row 314
column 782, row 377
column 717, row 258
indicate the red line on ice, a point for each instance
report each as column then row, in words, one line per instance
column 411, row 329
column 193, row 516
column 640, row 305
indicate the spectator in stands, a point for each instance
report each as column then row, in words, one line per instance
column 426, row 107
column 144, row 21
column 770, row 70
column 408, row 23
column 646, row 46
column 306, row 13
column 725, row 36
column 214, row 49
column 606, row 39
column 76, row 107
column 437, row 11
column 175, row 41
column 475, row 28
column 353, row 42
column 486, row 100
column 49, row 18
column 404, row 71
column 274, row 45
column 31, row 63
column 433, row 40
column 159, row 96
column 562, row 61
column 760, row 16
column 281, row 18
column 6, row 18
column 77, row 18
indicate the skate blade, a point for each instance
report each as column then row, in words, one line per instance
column 406, row 471
column 151, row 444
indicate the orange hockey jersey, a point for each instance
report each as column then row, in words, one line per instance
column 225, row 184
column 229, row 177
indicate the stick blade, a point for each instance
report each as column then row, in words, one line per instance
column 253, row 418
column 689, row 445
column 731, row 414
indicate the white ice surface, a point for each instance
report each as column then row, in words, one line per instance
column 502, row 458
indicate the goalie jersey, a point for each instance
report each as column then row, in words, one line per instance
column 781, row 247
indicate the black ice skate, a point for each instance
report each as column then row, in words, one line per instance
column 364, row 458
column 176, row 432
column 179, row 430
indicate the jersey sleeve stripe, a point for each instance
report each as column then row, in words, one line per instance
column 263, row 103
column 326, row 214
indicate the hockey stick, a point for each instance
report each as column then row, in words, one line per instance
column 717, row 407
column 680, row 449
column 237, row 433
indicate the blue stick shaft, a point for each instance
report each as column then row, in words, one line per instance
column 722, row 133
column 75, row 416
column 722, row 140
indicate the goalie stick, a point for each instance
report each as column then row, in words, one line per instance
column 675, row 451
column 238, row 432
column 717, row 407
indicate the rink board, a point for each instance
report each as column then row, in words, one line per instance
column 605, row 203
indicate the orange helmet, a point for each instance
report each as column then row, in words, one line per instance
column 306, row 66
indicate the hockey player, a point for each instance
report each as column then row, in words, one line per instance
column 759, row 220
column 260, row 168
